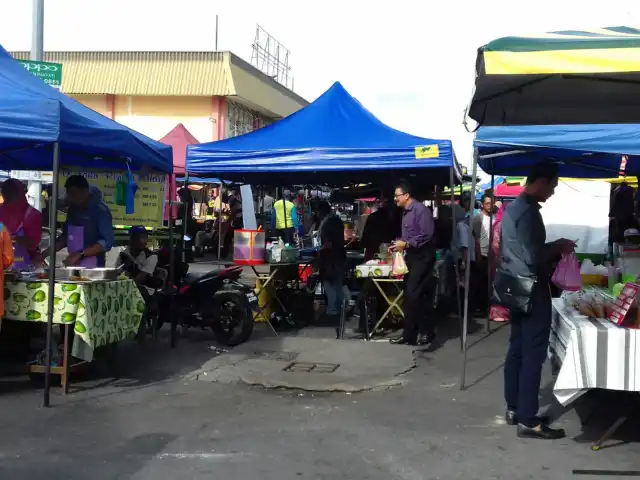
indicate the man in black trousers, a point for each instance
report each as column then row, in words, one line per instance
column 417, row 240
column 524, row 252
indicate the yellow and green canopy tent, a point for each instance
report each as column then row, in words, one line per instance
column 587, row 76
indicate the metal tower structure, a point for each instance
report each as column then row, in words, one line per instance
column 271, row 57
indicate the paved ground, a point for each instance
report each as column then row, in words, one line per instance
column 311, row 364
column 151, row 422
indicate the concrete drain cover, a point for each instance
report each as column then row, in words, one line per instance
column 307, row 367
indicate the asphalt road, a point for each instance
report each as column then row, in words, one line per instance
column 151, row 422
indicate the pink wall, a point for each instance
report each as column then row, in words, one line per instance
column 219, row 112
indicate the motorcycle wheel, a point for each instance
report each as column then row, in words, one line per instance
column 232, row 317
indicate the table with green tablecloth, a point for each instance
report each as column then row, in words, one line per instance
column 102, row 312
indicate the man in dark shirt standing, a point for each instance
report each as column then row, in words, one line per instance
column 418, row 243
column 332, row 259
column 523, row 252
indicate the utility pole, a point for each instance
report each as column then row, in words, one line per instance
column 216, row 33
column 37, row 32
column 34, row 188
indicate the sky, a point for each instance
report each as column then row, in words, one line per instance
column 410, row 62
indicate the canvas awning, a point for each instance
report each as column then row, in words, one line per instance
column 333, row 141
column 34, row 116
column 569, row 77
column 582, row 151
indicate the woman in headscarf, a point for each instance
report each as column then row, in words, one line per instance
column 22, row 221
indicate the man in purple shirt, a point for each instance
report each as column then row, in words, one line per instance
column 418, row 242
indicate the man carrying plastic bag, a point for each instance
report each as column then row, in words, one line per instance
column 522, row 285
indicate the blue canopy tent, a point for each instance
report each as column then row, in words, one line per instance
column 34, row 116
column 203, row 180
column 582, row 151
column 487, row 185
column 41, row 129
column 334, row 134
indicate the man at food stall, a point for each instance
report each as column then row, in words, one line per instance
column 524, row 253
column 381, row 227
column 284, row 217
column 88, row 230
column 235, row 206
column 417, row 241
column 332, row 258
column 22, row 221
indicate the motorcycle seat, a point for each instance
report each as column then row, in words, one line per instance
column 191, row 278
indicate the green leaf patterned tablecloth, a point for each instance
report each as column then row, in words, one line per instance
column 103, row 312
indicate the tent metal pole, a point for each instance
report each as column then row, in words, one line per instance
column 172, row 270
column 467, row 278
column 185, row 216
column 490, row 259
column 53, row 210
column 220, row 220
column 454, row 256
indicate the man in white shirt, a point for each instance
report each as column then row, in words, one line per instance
column 481, row 226
column 267, row 203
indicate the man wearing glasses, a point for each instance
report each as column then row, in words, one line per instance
column 417, row 240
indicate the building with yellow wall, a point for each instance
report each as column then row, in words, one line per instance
column 215, row 95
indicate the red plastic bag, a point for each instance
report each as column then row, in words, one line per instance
column 498, row 313
column 567, row 274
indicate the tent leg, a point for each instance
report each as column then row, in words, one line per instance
column 454, row 256
column 172, row 271
column 220, row 220
column 490, row 259
column 467, row 273
column 185, row 218
column 53, row 209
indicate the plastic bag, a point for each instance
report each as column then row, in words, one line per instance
column 399, row 266
column 498, row 313
column 567, row 274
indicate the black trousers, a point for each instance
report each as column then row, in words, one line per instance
column 528, row 345
column 480, row 290
column 418, row 292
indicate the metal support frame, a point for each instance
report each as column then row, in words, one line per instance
column 490, row 259
column 467, row 275
column 220, row 198
column 455, row 259
column 185, row 217
column 53, row 210
column 172, row 273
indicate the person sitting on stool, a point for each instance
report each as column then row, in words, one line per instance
column 417, row 241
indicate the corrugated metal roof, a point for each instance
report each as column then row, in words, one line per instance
column 173, row 74
column 143, row 73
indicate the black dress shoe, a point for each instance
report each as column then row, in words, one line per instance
column 424, row 339
column 510, row 418
column 401, row 341
column 542, row 432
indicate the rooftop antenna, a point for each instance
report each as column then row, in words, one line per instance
column 271, row 57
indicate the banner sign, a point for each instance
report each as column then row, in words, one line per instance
column 49, row 73
column 149, row 199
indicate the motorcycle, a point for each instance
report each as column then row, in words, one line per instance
column 215, row 300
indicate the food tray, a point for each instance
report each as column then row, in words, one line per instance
column 379, row 271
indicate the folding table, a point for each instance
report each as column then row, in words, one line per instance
column 266, row 279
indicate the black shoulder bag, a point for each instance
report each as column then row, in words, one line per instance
column 514, row 292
